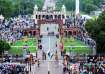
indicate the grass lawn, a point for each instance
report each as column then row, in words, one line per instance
column 79, row 50
column 17, row 47
column 74, row 42
column 29, row 42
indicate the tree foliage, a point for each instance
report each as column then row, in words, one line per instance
column 15, row 7
column 70, row 4
column 6, row 8
column 85, row 5
column 4, row 46
column 10, row 8
column 96, row 29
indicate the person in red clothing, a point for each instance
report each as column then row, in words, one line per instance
column 93, row 69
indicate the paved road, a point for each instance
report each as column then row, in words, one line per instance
column 45, row 28
column 50, row 43
column 55, row 68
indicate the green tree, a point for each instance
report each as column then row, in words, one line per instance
column 4, row 46
column 96, row 29
column 27, row 6
column 85, row 5
column 70, row 4
column 40, row 3
column 10, row 8
column 6, row 8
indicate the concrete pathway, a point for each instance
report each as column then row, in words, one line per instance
column 55, row 68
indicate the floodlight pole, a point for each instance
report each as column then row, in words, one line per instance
column 49, row 58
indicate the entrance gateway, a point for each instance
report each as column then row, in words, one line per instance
column 48, row 16
column 49, row 22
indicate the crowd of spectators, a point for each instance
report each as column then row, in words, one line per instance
column 79, row 22
column 94, row 64
column 12, row 29
column 12, row 68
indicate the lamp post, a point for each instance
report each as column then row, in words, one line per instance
column 49, row 55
